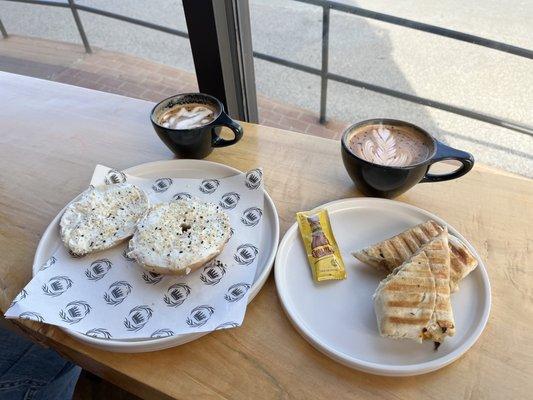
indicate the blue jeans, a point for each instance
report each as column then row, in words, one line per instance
column 29, row 371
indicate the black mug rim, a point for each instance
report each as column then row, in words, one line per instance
column 217, row 101
column 388, row 121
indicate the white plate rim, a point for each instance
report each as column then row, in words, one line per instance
column 366, row 366
column 146, row 345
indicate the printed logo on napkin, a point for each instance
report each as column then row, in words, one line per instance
column 107, row 295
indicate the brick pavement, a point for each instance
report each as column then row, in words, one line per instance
column 135, row 77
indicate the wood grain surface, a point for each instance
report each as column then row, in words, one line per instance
column 52, row 136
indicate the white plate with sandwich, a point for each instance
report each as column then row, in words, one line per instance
column 387, row 331
column 173, row 169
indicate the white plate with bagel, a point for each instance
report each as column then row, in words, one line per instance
column 338, row 317
column 51, row 240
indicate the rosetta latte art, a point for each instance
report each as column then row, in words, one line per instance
column 382, row 149
column 389, row 146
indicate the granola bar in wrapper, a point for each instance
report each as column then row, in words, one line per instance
column 320, row 245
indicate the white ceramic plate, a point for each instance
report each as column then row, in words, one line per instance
column 178, row 169
column 337, row 317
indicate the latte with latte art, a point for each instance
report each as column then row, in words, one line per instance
column 393, row 146
column 187, row 116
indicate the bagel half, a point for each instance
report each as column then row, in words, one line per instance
column 179, row 237
column 102, row 217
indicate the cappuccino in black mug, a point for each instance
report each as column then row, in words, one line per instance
column 386, row 157
column 190, row 123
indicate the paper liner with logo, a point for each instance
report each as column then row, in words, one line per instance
column 108, row 295
column 320, row 246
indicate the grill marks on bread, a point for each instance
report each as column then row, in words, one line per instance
column 414, row 302
column 391, row 253
column 404, row 301
column 462, row 262
column 442, row 322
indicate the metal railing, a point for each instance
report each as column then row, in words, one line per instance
column 324, row 73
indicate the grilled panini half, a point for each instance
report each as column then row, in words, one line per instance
column 391, row 253
column 438, row 253
column 404, row 301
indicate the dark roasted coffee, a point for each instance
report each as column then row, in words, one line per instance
column 389, row 145
column 187, row 116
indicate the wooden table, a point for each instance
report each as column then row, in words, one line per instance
column 52, row 135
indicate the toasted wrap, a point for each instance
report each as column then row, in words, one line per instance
column 404, row 301
column 391, row 253
column 442, row 323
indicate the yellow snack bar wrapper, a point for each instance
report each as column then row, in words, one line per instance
column 320, row 245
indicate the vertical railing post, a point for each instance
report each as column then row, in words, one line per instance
column 324, row 70
column 3, row 30
column 80, row 26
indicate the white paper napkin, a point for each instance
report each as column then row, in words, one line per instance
column 107, row 295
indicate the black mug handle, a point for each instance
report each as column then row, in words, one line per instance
column 449, row 153
column 225, row 120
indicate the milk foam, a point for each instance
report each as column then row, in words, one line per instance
column 389, row 145
column 187, row 116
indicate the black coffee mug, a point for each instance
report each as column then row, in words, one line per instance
column 391, row 181
column 195, row 142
